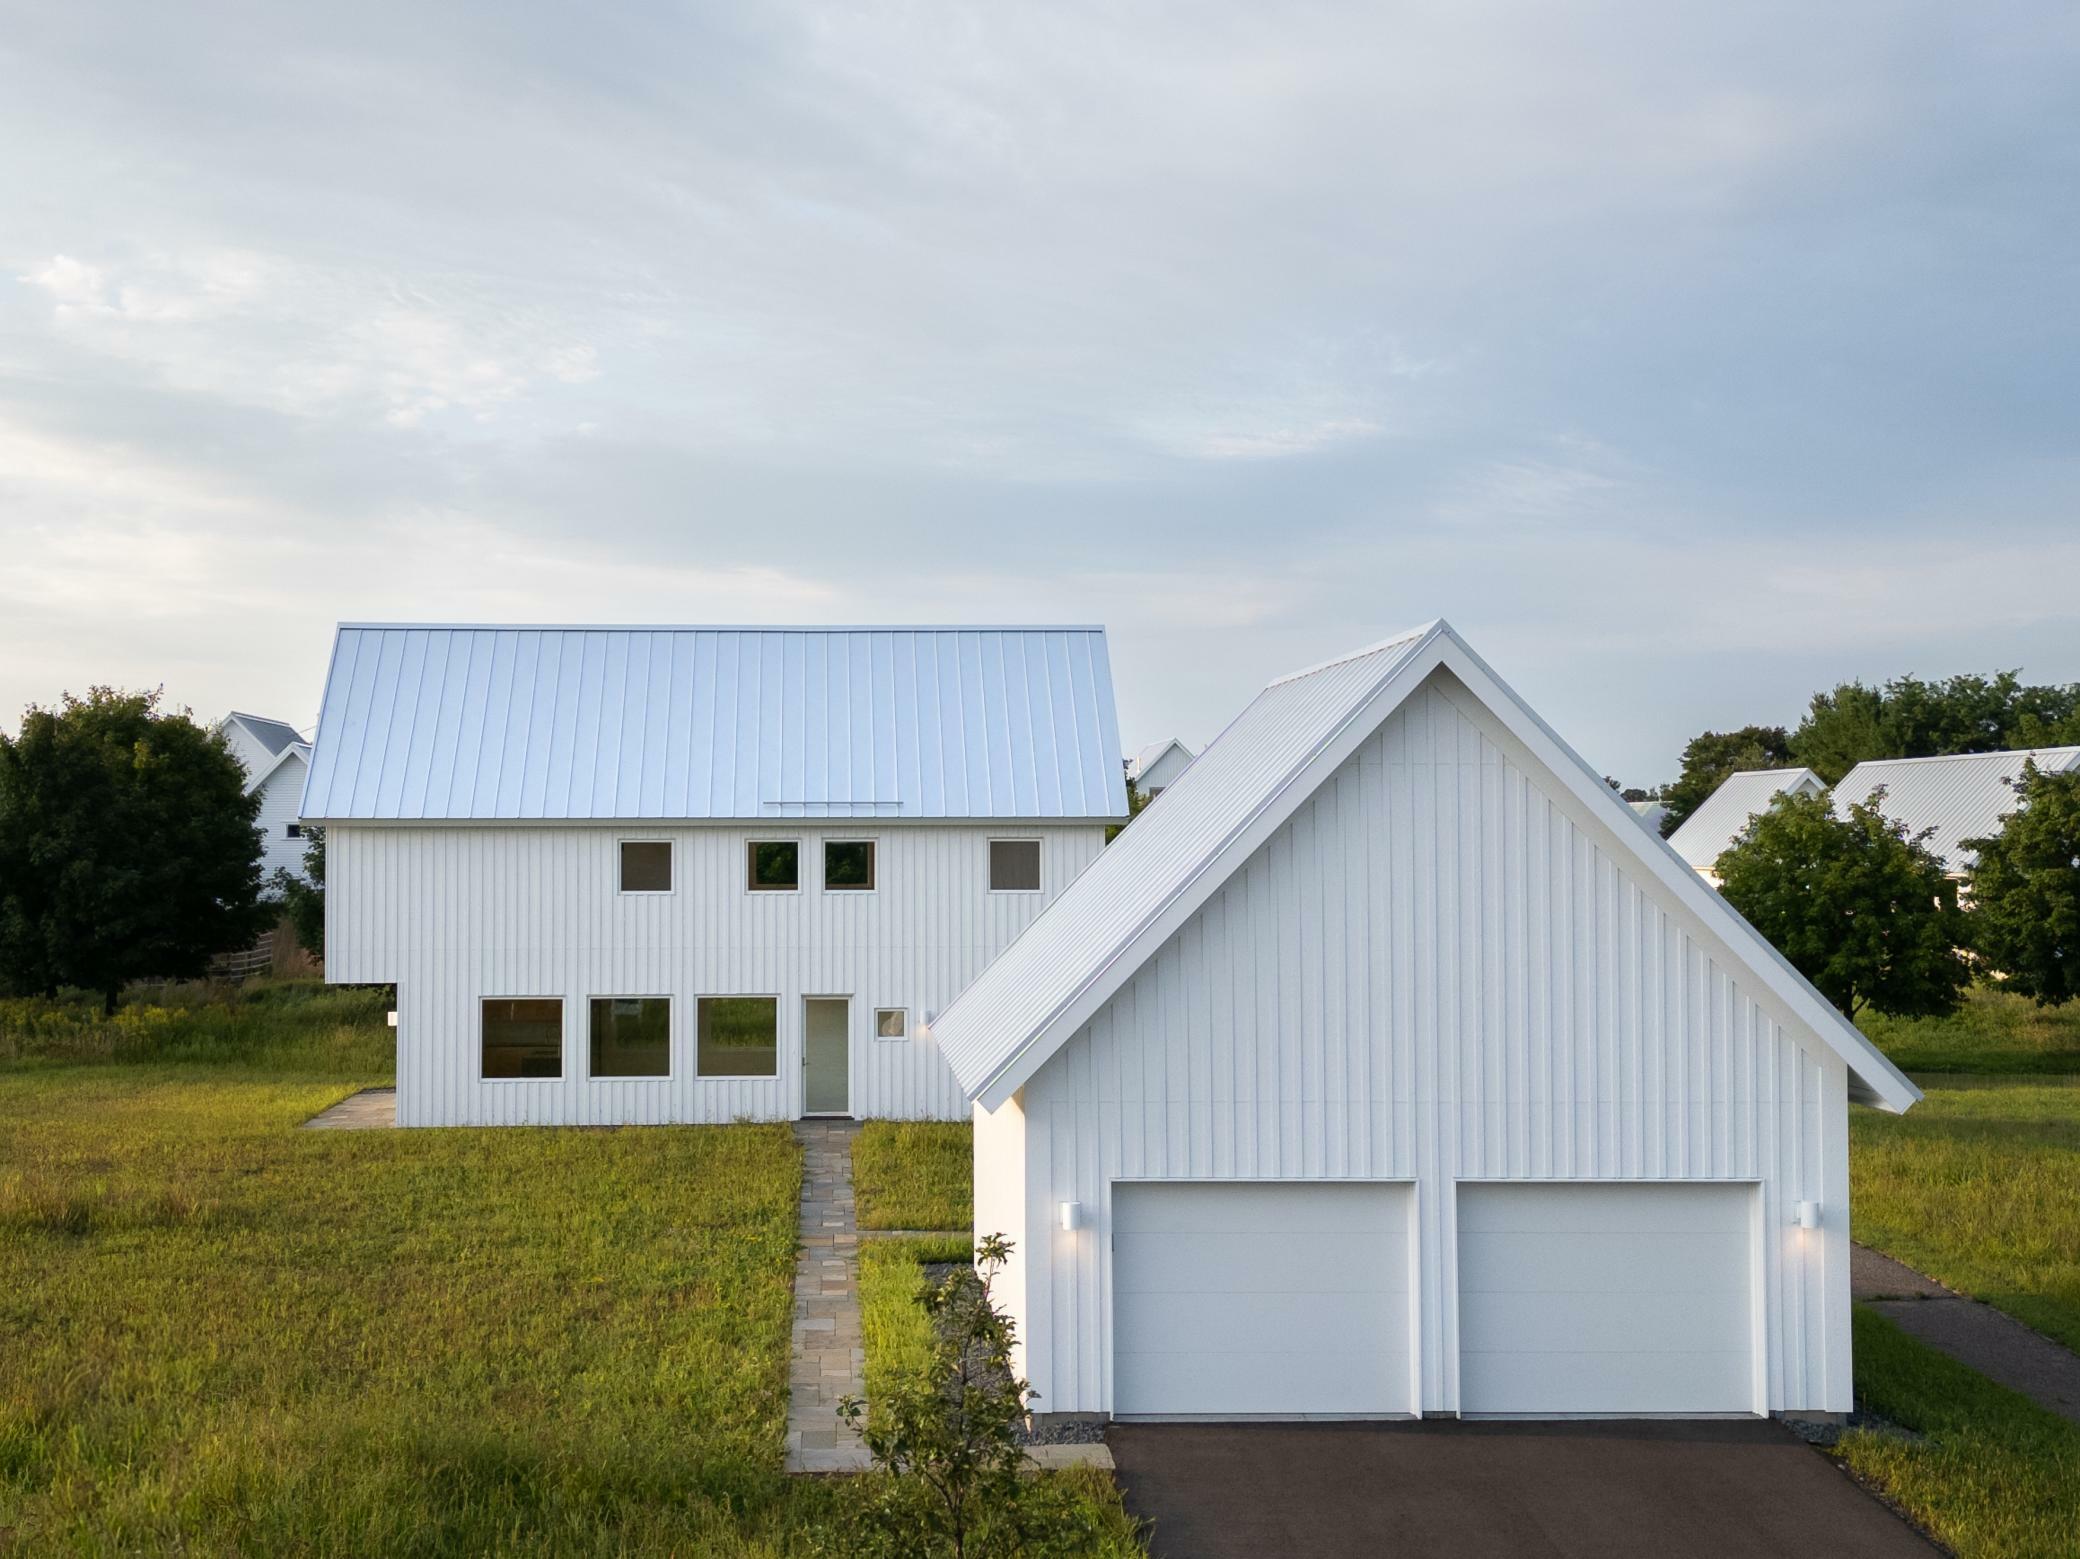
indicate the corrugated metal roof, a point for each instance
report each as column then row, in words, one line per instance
column 1704, row 834
column 1962, row 796
column 481, row 722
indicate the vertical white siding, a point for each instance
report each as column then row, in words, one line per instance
column 1000, row 1149
column 278, row 801
column 1436, row 972
column 453, row 914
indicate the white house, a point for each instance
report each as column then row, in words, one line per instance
column 694, row 874
column 1703, row 836
column 276, row 760
column 1390, row 1067
column 1156, row 767
column 1962, row 796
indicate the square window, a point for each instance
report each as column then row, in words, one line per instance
column 646, row 866
column 776, row 865
column 1014, row 866
column 631, row 1036
column 523, row 1036
column 848, row 865
column 292, row 830
column 739, row 1036
column 891, row 1023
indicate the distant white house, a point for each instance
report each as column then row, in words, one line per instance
column 1156, row 767
column 276, row 759
column 1650, row 814
column 1705, row 833
column 1963, row 796
column 1390, row 1068
column 693, row 874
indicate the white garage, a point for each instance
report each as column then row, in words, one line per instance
column 1390, row 956
column 1619, row 1299
column 1245, row 1300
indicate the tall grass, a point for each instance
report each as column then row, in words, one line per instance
column 914, row 1174
column 301, row 1026
column 1994, row 1031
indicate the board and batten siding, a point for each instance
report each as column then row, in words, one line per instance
column 1440, row 970
column 280, row 797
column 455, row 913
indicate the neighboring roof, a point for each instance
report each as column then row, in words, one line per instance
column 274, row 735
column 295, row 752
column 1962, row 796
column 1649, row 813
column 1086, row 945
column 467, row 722
column 1153, row 754
column 1704, row 835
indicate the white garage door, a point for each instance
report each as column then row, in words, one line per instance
column 1249, row 1299
column 1606, row 1299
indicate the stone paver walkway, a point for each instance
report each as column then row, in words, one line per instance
column 829, row 1356
column 372, row 1109
column 1995, row 1344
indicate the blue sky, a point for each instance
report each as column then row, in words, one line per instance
column 1686, row 362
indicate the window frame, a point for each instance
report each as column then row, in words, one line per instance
column 778, row 1038
column 292, row 830
column 563, row 1043
column 751, row 882
column 1039, row 861
column 873, row 844
column 891, row 1039
column 621, row 874
column 671, row 1034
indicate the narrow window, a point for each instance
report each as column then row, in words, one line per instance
column 739, row 1036
column 646, row 866
column 1014, row 866
column 891, row 1023
column 848, row 865
column 293, row 830
column 523, row 1036
column 631, row 1036
column 776, row 865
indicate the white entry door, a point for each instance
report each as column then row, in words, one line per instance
column 1252, row 1299
column 1632, row 1298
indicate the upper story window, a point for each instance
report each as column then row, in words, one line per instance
column 1014, row 866
column 775, row 865
column 848, row 865
column 646, row 866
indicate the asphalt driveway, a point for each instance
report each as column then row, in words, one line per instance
column 1458, row 1490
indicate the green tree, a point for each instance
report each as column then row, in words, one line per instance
column 127, row 847
column 303, row 898
column 1712, row 756
column 2026, row 889
column 1911, row 718
column 1137, row 798
column 1858, row 907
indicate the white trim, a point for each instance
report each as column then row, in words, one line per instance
column 671, row 1036
column 621, row 869
column 563, row 1029
column 751, row 844
column 773, row 1076
column 990, row 863
column 873, row 845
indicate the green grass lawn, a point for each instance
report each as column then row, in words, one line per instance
column 1993, row 1475
column 1979, row 1185
column 1993, row 1032
column 914, row 1175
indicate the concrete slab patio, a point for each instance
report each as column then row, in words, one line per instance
column 372, row 1109
column 1734, row 1489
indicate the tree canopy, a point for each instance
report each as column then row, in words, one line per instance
column 2026, row 890
column 1711, row 757
column 127, row 847
column 1859, row 908
column 1910, row 718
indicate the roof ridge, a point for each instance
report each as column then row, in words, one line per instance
column 1959, row 757
column 1394, row 641
column 472, row 627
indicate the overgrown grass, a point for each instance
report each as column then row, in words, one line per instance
column 1994, row 1476
column 914, row 1174
column 1993, row 1032
column 291, row 1027
column 1979, row 1186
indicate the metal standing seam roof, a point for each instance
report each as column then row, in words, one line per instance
column 1704, row 835
column 637, row 723
column 1088, row 942
column 274, row 735
column 1961, row 796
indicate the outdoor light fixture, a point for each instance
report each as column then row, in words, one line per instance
column 1809, row 1215
column 1073, row 1216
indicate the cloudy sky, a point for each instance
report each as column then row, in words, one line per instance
column 1685, row 362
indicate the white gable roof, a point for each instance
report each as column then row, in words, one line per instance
column 467, row 722
column 295, row 755
column 1963, row 796
column 1091, row 940
column 274, row 735
column 1153, row 754
column 1704, row 835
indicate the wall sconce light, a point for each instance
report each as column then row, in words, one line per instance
column 393, row 1017
column 1073, row 1216
column 1808, row 1215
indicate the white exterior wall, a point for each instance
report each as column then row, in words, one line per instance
column 1437, row 971
column 1000, row 1208
column 456, row 913
column 280, row 797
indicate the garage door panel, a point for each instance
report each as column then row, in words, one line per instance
column 1664, row 1262
column 1635, row 1382
column 1606, row 1323
column 1232, row 1298
column 1616, row 1207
